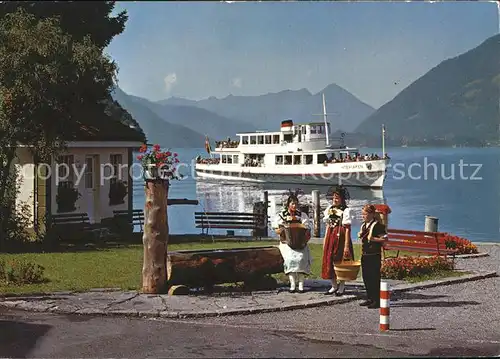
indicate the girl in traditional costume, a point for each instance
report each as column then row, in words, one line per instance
column 296, row 260
column 337, row 244
column 372, row 235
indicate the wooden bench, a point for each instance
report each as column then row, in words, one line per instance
column 229, row 220
column 71, row 219
column 417, row 241
column 137, row 216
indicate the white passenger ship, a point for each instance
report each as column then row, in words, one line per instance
column 297, row 154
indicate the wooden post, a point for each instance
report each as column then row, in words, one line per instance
column 155, row 237
column 266, row 213
column 316, row 213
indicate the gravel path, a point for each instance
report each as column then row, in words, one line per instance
column 460, row 319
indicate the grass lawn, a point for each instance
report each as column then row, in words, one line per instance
column 121, row 267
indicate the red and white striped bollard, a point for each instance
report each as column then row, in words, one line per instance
column 385, row 296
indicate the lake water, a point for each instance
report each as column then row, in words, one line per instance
column 460, row 186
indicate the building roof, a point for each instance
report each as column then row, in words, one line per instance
column 107, row 125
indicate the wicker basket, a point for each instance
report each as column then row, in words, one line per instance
column 347, row 270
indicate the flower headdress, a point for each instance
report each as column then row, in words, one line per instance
column 292, row 195
column 341, row 191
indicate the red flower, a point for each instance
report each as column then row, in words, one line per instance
column 383, row 208
column 168, row 153
column 139, row 157
column 176, row 160
column 156, row 148
column 159, row 156
column 175, row 155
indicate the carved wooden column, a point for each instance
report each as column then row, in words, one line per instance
column 155, row 237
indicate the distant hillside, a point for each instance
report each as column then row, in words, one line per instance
column 267, row 111
column 454, row 103
column 202, row 121
column 155, row 128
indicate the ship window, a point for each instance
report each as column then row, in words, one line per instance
column 268, row 139
column 312, row 130
column 288, row 138
column 244, row 140
column 230, row 159
column 279, row 160
column 320, row 129
column 288, row 159
column 309, row 159
column 276, row 139
column 253, row 140
column 235, row 159
column 322, row 158
column 297, row 159
column 224, row 159
column 260, row 140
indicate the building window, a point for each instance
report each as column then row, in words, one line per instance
column 89, row 172
column 65, row 170
column 116, row 160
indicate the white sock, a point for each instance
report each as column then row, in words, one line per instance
column 300, row 278
column 341, row 286
column 292, row 281
column 334, row 287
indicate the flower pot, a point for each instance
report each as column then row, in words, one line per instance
column 151, row 172
column 347, row 270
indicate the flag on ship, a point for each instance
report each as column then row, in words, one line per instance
column 207, row 145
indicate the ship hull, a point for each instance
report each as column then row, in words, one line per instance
column 369, row 174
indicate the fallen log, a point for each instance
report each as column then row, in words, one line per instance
column 205, row 268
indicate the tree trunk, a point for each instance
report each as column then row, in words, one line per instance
column 155, row 237
column 208, row 267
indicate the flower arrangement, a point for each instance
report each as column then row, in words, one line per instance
column 159, row 164
column 66, row 198
column 117, row 192
column 383, row 208
column 404, row 267
column 462, row 245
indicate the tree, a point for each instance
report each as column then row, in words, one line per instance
column 49, row 79
column 78, row 19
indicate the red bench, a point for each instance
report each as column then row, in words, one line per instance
column 417, row 241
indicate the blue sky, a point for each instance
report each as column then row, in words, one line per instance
column 372, row 49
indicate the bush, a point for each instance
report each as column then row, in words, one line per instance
column 463, row 246
column 405, row 267
column 21, row 272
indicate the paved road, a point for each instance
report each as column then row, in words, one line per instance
column 50, row 336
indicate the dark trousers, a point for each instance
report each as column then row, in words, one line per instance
column 370, row 268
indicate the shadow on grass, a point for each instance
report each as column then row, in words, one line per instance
column 119, row 241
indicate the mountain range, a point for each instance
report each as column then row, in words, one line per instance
column 181, row 123
column 455, row 103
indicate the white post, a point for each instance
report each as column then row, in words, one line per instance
column 383, row 141
column 326, row 122
column 385, row 296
